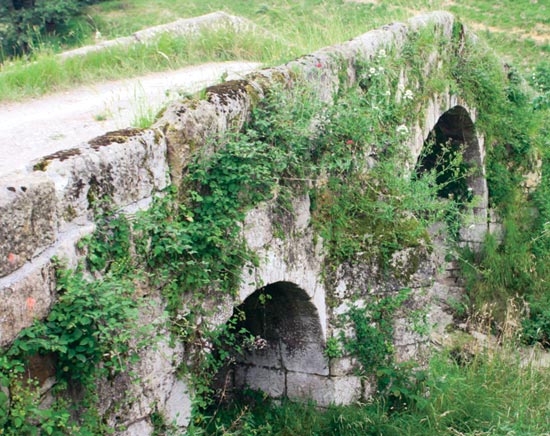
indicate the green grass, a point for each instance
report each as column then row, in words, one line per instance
column 489, row 396
column 296, row 27
column 46, row 73
column 311, row 24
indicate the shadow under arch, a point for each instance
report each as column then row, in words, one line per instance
column 286, row 357
column 455, row 152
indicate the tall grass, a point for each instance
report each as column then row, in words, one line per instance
column 311, row 24
column 47, row 73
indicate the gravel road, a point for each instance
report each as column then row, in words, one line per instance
column 38, row 127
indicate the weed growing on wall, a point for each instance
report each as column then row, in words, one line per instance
column 349, row 155
column 90, row 333
column 372, row 323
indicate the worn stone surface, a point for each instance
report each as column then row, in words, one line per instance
column 297, row 258
column 191, row 124
column 324, row 390
column 28, row 221
column 139, row 428
column 271, row 381
column 154, row 386
column 347, row 389
column 343, row 366
column 177, row 408
column 307, row 357
column 301, row 386
column 23, row 301
column 120, row 167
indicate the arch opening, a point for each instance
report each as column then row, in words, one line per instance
column 453, row 150
column 284, row 350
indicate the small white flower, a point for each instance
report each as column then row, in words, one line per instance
column 402, row 129
column 387, row 93
column 372, row 71
column 408, row 94
column 381, row 53
column 380, row 69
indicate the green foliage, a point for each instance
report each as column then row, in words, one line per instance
column 109, row 246
column 23, row 23
column 348, row 155
column 225, row 342
column 536, row 326
column 540, row 80
column 372, row 343
column 333, row 348
column 512, row 124
column 20, row 79
column 89, row 332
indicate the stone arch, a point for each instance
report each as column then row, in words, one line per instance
column 454, row 132
column 286, row 359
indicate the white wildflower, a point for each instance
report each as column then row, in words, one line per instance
column 408, row 94
column 372, row 71
column 382, row 53
column 380, row 70
column 402, row 129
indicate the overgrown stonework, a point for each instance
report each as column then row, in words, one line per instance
column 244, row 268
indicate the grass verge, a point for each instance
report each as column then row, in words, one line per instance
column 48, row 73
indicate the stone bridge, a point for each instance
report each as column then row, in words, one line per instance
column 46, row 210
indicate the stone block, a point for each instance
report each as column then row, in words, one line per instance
column 369, row 388
column 122, row 167
column 27, row 219
column 404, row 333
column 306, row 357
column 343, row 366
column 177, row 409
column 269, row 357
column 347, row 389
column 140, row 428
column 302, row 386
column 25, row 298
column 270, row 381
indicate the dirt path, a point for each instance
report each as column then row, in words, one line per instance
column 42, row 126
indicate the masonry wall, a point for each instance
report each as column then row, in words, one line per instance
column 46, row 210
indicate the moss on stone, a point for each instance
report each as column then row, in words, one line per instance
column 62, row 155
column 117, row 136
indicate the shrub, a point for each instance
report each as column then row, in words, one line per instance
column 23, row 23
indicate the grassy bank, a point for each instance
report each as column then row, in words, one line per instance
column 517, row 30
